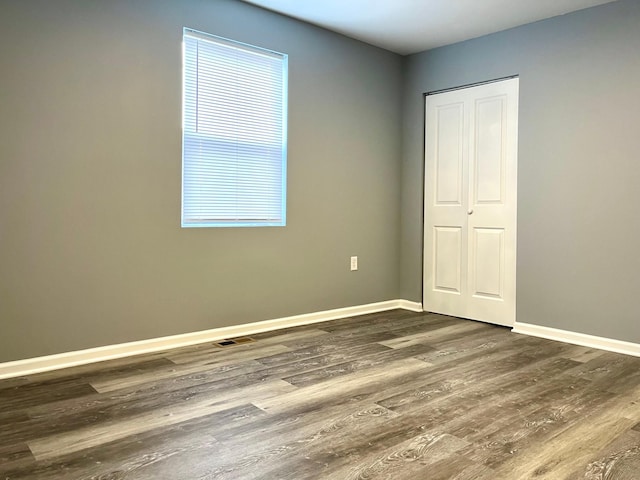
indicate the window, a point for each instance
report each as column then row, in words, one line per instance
column 234, row 134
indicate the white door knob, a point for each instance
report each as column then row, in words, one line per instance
column 470, row 211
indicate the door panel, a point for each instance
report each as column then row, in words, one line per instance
column 446, row 259
column 488, row 258
column 470, row 202
column 448, row 158
column 489, row 152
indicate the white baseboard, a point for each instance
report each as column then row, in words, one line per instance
column 69, row 359
column 602, row 343
column 408, row 305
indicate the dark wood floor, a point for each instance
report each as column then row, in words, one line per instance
column 395, row 395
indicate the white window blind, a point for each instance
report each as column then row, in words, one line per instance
column 234, row 134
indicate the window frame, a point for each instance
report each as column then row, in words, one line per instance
column 243, row 221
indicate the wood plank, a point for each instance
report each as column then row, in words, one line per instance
column 363, row 362
column 562, row 455
column 268, row 459
column 214, row 355
column 232, row 363
column 619, row 460
column 15, row 456
column 406, row 460
column 552, row 418
column 329, row 391
column 128, row 457
column 190, row 407
column 444, row 333
column 338, row 343
column 42, row 393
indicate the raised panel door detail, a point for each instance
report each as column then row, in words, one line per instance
column 448, row 170
column 470, row 202
column 447, row 249
column 489, row 155
column 488, row 258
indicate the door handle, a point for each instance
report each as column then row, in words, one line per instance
column 470, row 211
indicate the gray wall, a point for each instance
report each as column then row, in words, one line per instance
column 91, row 249
column 579, row 163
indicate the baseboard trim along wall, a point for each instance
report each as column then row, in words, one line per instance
column 411, row 306
column 70, row 359
column 602, row 343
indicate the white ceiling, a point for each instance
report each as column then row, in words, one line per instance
column 410, row 26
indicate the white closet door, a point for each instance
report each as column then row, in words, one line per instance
column 470, row 202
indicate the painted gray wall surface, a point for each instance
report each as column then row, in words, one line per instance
column 91, row 249
column 578, row 166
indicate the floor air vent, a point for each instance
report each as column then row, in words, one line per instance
column 234, row 341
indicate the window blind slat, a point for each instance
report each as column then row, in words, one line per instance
column 234, row 133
